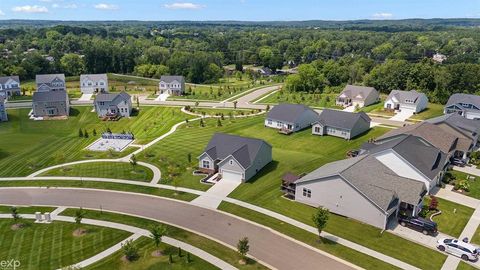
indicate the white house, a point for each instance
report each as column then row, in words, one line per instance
column 9, row 86
column 93, row 83
column 465, row 105
column 172, row 85
column 291, row 117
column 412, row 101
column 3, row 111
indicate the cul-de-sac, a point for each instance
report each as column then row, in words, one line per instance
column 240, row 135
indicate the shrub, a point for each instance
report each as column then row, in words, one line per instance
column 130, row 250
column 462, row 185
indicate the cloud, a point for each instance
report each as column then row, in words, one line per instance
column 30, row 9
column 183, row 6
column 2, row 13
column 382, row 15
column 106, row 6
column 66, row 6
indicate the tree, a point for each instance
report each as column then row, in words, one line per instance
column 156, row 233
column 267, row 108
column 320, row 218
column 170, row 258
column 80, row 133
column 130, row 250
column 138, row 102
column 79, row 214
column 180, row 252
column 15, row 215
column 189, row 158
column 243, row 247
column 219, row 122
column 94, row 132
column 202, row 123
column 85, row 133
column 188, row 260
column 133, row 161
column 72, row 64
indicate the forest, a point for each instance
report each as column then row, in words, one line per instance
column 384, row 54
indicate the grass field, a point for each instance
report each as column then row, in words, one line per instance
column 116, row 170
column 52, row 246
column 465, row 266
column 433, row 110
column 476, row 237
column 314, row 100
column 450, row 222
column 474, row 190
column 147, row 261
column 28, row 145
column 6, row 209
column 212, row 247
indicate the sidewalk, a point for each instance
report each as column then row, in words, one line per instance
column 216, row 194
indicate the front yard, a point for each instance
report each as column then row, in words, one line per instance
column 453, row 218
column 464, row 180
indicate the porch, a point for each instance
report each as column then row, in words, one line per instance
column 288, row 185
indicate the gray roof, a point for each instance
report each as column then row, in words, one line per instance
column 464, row 125
column 50, row 96
column 463, row 98
column 94, row 77
column 48, row 78
column 402, row 96
column 170, row 78
column 418, row 152
column 376, row 181
column 288, row 112
column 341, row 119
column 109, row 97
column 352, row 91
column 243, row 149
column 3, row 80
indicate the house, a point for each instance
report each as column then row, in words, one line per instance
column 290, row 117
column 341, row 124
column 362, row 188
column 172, row 85
column 3, row 110
column 93, row 83
column 465, row 105
column 412, row 101
column 410, row 157
column 361, row 96
column 439, row 58
column 50, row 82
column 9, row 86
column 113, row 105
column 50, row 104
column 265, row 71
column 235, row 158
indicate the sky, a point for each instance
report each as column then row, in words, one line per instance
column 244, row 10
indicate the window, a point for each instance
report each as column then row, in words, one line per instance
column 307, row 193
column 269, row 121
column 317, row 129
column 279, row 124
column 231, row 162
column 206, row 164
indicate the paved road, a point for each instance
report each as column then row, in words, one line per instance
column 265, row 245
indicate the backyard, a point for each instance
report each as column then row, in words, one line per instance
column 28, row 145
column 309, row 99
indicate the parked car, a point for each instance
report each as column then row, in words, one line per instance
column 466, row 251
column 458, row 162
column 420, row 224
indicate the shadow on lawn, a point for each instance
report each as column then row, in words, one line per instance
column 272, row 166
column 74, row 112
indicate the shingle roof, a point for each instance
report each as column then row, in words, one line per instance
column 94, row 77
column 243, row 149
column 108, row 97
column 169, row 78
column 48, row 78
column 464, row 98
column 3, row 80
column 51, row 96
column 402, row 96
column 446, row 142
column 376, row 181
column 417, row 151
column 288, row 112
column 341, row 119
column 355, row 91
column 472, row 127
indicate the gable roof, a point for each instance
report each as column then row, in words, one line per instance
column 50, row 96
column 94, row 77
column 109, row 97
column 341, row 119
column 170, row 78
column 418, row 152
column 376, row 181
column 243, row 149
column 5, row 79
column 433, row 134
column 469, row 127
column 288, row 112
column 48, row 78
column 355, row 91
column 402, row 96
column 463, row 98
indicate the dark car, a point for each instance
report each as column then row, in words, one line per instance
column 458, row 162
column 420, row 224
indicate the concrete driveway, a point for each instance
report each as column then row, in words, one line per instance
column 216, row 194
column 402, row 115
column 266, row 245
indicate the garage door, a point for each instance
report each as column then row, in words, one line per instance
column 232, row 176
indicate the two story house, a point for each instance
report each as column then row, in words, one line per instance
column 9, row 86
column 113, row 105
column 93, row 83
column 50, row 104
column 465, row 105
column 290, row 117
column 3, row 110
column 50, row 82
column 412, row 101
column 172, row 85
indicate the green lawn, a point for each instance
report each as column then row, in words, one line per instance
column 116, row 170
column 52, row 246
column 465, row 266
column 309, row 99
column 476, row 237
column 225, row 112
column 351, row 255
column 28, row 145
column 147, row 261
column 6, row 209
column 449, row 222
column 474, row 190
column 101, row 185
column 433, row 110
column 212, row 247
